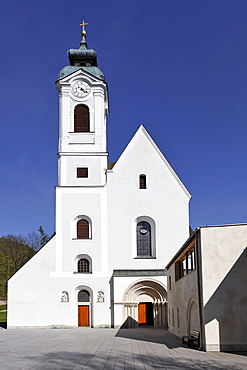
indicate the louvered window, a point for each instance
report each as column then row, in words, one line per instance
column 82, row 229
column 83, row 296
column 82, row 172
column 81, row 118
column 142, row 182
column 143, row 236
column 83, row 265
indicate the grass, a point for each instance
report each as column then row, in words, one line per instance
column 3, row 314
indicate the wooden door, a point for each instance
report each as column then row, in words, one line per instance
column 83, row 315
column 142, row 315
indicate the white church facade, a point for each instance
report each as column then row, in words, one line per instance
column 117, row 224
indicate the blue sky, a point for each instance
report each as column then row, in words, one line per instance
column 179, row 67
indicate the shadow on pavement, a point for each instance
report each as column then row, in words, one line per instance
column 238, row 354
column 119, row 360
column 151, row 334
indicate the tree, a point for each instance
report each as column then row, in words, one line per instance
column 44, row 238
column 14, row 253
column 33, row 240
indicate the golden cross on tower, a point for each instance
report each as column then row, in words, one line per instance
column 83, row 31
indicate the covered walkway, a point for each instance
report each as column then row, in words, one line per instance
column 86, row 348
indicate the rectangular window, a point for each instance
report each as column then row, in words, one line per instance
column 191, row 262
column 178, row 317
column 169, row 282
column 142, row 182
column 186, row 264
column 82, row 172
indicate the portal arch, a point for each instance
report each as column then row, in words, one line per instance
column 145, row 297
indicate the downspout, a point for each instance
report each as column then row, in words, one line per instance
column 198, row 255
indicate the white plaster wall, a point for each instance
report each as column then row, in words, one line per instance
column 31, row 299
column 181, row 298
column 74, row 202
column 34, row 294
column 165, row 201
column 96, row 165
column 224, row 259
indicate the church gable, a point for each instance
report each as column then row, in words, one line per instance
column 142, row 159
column 147, row 207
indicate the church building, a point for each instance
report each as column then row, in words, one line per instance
column 118, row 224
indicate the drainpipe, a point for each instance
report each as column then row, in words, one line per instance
column 198, row 256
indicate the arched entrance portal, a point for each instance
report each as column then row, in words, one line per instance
column 145, row 304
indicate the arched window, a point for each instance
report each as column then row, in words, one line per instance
column 83, row 265
column 81, row 118
column 142, row 182
column 83, row 296
column 143, row 237
column 82, row 229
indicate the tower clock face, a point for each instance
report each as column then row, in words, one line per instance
column 80, row 89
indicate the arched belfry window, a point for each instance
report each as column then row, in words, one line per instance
column 143, row 237
column 81, row 118
column 83, row 296
column 83, row 265
column 82, row 229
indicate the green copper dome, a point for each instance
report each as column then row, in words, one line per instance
column 67, row 70
column 82, row 58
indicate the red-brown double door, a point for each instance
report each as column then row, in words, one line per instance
column 83, row 315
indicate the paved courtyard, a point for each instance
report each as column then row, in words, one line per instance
column 85, row 348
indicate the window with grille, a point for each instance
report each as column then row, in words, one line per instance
column 143, row 236
column 82, row 229
column 83, row 265
column 83, row 296
column 82, row 172
column 142, row 182
column 81, row 118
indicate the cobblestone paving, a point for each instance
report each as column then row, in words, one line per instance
column 85, row 348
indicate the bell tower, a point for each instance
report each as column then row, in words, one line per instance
column 83, row 108
column 81, row 194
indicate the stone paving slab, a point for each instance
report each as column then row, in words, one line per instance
column 106, row 349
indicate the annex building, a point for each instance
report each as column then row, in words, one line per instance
column 117, row 224
column 206, row 288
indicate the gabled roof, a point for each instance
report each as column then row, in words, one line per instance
column 143, row 132
column 156, row 272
